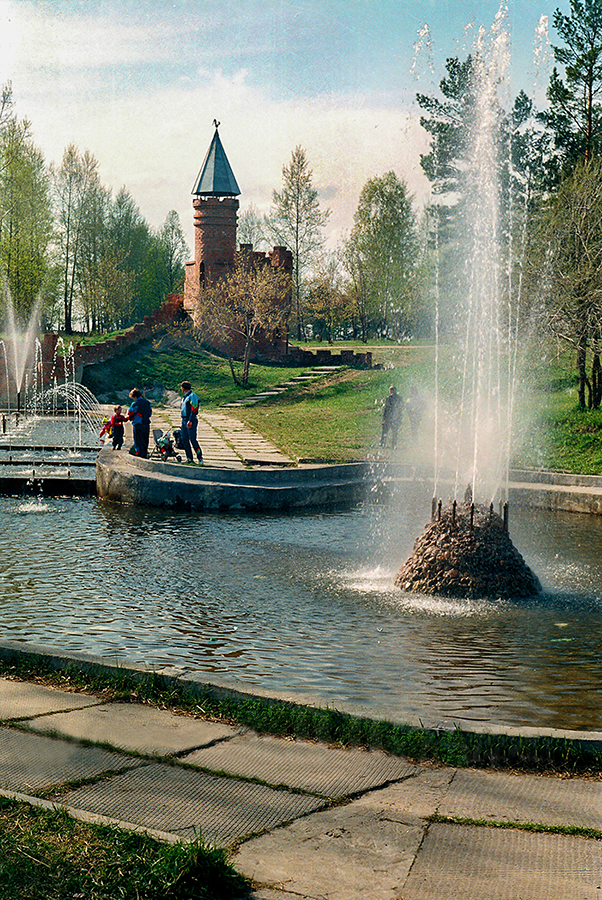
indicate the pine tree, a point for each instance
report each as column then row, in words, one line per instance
column 575, row 114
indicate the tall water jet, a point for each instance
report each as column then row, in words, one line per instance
column 20, row 350
column 466, row 549
column 482, row 444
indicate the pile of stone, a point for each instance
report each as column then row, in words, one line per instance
column 467, row 552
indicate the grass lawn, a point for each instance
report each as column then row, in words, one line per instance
column 46, row 855
column 337, row 417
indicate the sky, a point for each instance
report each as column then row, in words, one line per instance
column 138, row 83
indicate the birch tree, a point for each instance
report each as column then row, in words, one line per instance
column 296, row 222
column 26, row 222
column 75, row 185
column 233, row 311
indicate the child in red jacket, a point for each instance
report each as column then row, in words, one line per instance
column 114, row 428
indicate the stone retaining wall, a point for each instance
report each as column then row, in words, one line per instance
column 53, row 365
column 299, row 356
column 123, row 478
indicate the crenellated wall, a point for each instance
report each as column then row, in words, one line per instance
column 53, row 366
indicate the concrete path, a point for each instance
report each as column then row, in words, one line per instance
column 225, row 441
column 305, row 821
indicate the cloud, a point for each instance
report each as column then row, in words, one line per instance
column 155, row 143
column 140, row 92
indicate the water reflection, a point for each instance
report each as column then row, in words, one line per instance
column 305, row 604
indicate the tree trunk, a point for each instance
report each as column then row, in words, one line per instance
column 232, row 372
column 596, row 379
column 246, row 363
column 581, row 373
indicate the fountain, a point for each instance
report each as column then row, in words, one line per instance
column 304, row 605
column 466, row 550
column 50, row 423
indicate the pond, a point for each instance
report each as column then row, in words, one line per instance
column 305, row 604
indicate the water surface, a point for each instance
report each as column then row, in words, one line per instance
column 306, row 604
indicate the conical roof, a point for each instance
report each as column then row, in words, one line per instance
column 216, row 178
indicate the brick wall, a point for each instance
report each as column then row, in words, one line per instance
column 53, row 366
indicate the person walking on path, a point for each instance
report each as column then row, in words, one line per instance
column 414, row 409
column 139, row 414
column 189, row 410
column 392, row 412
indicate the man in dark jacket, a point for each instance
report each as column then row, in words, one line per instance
column 139, row 414
column 189, row 409
column 392, row 412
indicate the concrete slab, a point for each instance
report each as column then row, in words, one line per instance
column 31, row 762
column 251, row 446
column 524, row 798
column 186, row 803
column 22, row 699
column 418, row 797
column 352, row 852
column 502, row 864
column 132, row 726
column 302, row 765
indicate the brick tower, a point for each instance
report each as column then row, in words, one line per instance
column 215, row 207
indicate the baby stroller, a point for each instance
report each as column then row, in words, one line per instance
column 164, row 447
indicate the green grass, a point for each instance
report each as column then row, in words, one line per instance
column 337, row 417
column 453, row 748
column 565, row 438
column 164, row 362
column 533, row 827
column 47, row 855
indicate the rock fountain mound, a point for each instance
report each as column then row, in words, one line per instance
column 457, row 557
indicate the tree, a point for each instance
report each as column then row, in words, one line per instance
column 6, row 104
column 296, row 221
column 163, row 263
column 385, row 246
column 92, row 252
column 251, row 228
column 172, row 254
column 130, row 237
column 357, row 291
column 232, row 311
column 450, row 123
column 26, row 223
column 567, row 259
column 76, row 184
column 575, row 113
column 329, row 307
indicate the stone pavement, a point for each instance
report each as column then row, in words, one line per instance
column 305, row 821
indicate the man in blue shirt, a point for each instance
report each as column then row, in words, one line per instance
column 189, row 410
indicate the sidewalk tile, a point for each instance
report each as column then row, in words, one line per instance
column 185, row 802
column 302, row 764
column 132, row 726
column 31, row 762
column 503, row 864
column 21, row 699
column 524, row 798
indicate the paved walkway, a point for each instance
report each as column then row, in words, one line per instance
column 225, row 441
column 305, row 820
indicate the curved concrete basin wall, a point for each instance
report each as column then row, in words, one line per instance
column 126, row 479
column 556, row 490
